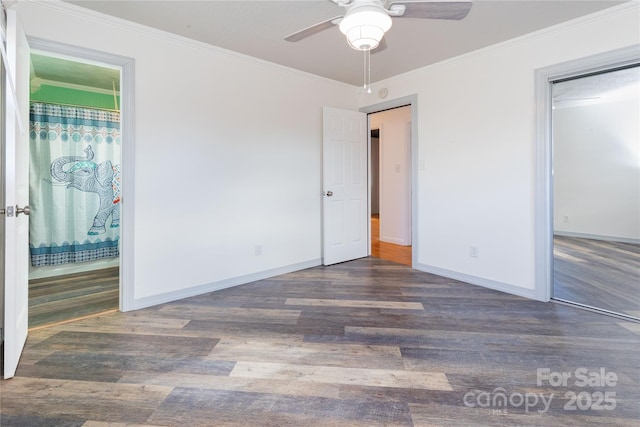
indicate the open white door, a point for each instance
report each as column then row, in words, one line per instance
column 344, row 154
column 16, row 167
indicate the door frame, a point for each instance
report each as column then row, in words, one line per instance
column 127, row 91
column 3, row 204
column 411, row 101
column 543, row 214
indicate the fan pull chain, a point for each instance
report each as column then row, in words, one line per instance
column 367, row 71
column 364, row 70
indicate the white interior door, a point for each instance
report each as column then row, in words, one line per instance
column 345, row 210
column 16, row 167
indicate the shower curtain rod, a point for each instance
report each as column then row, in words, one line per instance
column 75, row 105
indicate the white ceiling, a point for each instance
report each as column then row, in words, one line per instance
column 257, row 28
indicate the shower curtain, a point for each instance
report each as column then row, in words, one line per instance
column 74, row 184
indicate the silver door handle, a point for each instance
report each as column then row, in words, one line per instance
column 26, row 210
column 329, row 193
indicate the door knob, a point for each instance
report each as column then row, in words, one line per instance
column 329, row 193
column 26, row 210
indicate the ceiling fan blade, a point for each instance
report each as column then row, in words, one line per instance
column 454, row 10
column 314, row 29
column 381, row 46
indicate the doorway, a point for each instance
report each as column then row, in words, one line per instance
column 408, row 168
column 75, row 263
column 552, row 221
column 2, row 205
column 596, row 190
column 390, row 189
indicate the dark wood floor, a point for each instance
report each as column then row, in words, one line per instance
column 598, row 273
column 364, row 343
column 60, row 298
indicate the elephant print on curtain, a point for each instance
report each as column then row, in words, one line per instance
column 86, row 175
column 74, row 184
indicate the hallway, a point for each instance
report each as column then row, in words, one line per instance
column 387, row 251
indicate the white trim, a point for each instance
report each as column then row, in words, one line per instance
column 127, row 214
column 223, row 284
column 542, row 33
column 394, row 240
column 2, row 176
column 479, row 281
column 127, row 133
column 113, row 21
column 119, row 23
column 411, row 100
column 543, row 221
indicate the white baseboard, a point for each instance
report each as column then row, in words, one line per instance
column 395, row 241
column 223, row 284
column 485, row 283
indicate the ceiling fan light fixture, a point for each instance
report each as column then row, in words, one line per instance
column 365, row 26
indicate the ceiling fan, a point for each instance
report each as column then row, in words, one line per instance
column 366, row 21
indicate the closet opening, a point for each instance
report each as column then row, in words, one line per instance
column 596, row 191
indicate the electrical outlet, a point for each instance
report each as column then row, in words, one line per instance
column 473, row 251
column 258, row 250
column 565, row 218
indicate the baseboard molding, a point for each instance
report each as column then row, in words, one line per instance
column 395, row 241
column 223, row 284
column 479, row 281
column 597, row 237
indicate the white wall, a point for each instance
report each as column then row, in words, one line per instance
column 395, row 174
column 476, row 148
column 596, row 165
column 227, row 155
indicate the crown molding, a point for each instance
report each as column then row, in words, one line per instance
column 123, row 24
column 621, row 9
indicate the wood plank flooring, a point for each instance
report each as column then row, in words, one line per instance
column 363, row 343
column 384, row 250
column 60, row 298
column 598, row 273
